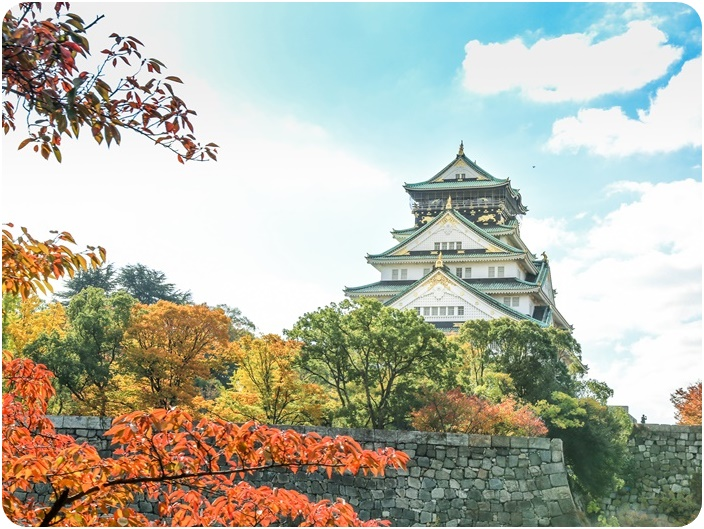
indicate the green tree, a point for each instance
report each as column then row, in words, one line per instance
column 149, row 285
column 595, row 440
column 85, row 359
column 373, row 357
column 102, row 278
column 240, row 325
column 537, row 359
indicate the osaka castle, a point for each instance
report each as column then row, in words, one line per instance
column 464, row 258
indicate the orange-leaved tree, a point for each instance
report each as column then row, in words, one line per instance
column 192, row 469
column 169, row 346
column 42, row 75
column 688, row 404
column 28, row 264
column 456, row 412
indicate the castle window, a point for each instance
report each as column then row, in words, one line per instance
column 444, row 246
column 418, row 310
column 450, row 311
column 458, row 245
column 443, row 311
column 467, row 272
column 460, row 311
column 492, row 271
column 394, row 274
column 434, row 311
column 404, row 273
column 437, row 246
column 512, row 302
column 458, row 272
column 500, row 271
column 426, row 311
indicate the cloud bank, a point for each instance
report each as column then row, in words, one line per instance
column 673, row 121
column 572, row 67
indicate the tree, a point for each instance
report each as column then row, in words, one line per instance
column 454, row 411
column 535, row 358
column 30, row 319
column 169, row 346
column 149, row 285
column 41, row 73
column 28, row 264
column 688, row 404
column 85, row 359
column 194, row 469
column 102, row 277
column 371, row 356
column 240, row 325
column 595, row 439
column 267, row 388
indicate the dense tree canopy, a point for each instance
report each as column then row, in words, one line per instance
column 43, row 77
column 168, row 347
column 535, row 358
column 372, row 356
column 103, row 277
column 86, row 357
column 149, row 285
column 268, row 388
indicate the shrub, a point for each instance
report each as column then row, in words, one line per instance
column 456, row 412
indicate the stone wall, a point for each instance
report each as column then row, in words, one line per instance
column 451, row 480
column 666, row 465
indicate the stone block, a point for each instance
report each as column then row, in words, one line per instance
column 437, row 493
column 478, row 440
column 496, row 484
column 501, row 441
column 73, row 422
column 553, row 468
column 539, row 443
column 557, row 480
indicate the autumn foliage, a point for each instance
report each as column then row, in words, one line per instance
column 194, row 469
column 28, row 264
column 456, row 412
column 42, row 74
column 688, row 404
column 267, row 387
column 169, row 346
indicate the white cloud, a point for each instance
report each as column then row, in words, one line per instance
column 549, row 232
column 571, row 67
column 632, row 286
column 673, row 121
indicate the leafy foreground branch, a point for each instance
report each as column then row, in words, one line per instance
column 194, row 470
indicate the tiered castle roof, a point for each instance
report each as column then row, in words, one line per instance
column 464, row 257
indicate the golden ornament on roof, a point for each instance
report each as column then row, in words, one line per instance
column 439, row 263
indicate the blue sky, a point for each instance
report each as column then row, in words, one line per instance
column 323, row 111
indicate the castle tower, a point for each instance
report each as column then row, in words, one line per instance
column 464, row 258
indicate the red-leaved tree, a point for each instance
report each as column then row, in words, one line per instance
column 688, row 404
column 456, row 412
column 193, row 469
